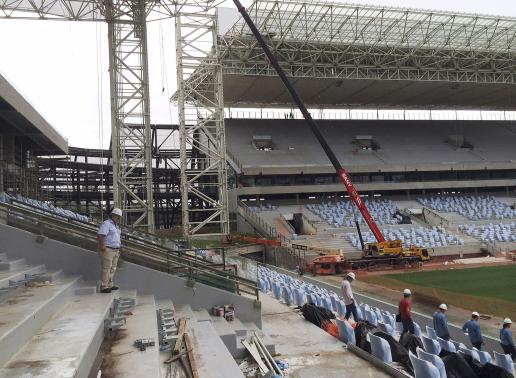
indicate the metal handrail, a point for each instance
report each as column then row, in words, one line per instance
column 135, row 249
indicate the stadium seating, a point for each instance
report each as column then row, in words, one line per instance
column 504, row 361
column 434, row 237
column 423, row 368
column 381, row 349
column 6, row 198
column 263, row 207
column 433, row 359
column 499, row 232
column 427, row 363
column 472, row 207
column 342, row 213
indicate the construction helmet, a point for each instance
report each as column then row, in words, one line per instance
column 116, row 211
column 507, row 321
column 407, row 292
column 474, row 313
column 443, row 307
column 351, row 275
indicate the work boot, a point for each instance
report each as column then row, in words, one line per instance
column 113, row 288
column 105, row 290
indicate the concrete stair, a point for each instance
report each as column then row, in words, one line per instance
column 66, row 346
column 123, row 358
column 233, row 332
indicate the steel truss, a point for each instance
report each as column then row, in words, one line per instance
column 83, row 180
column 323, row 40
column 201, row 123
column 129, row 82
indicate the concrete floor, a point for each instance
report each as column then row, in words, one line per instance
column 310, row 351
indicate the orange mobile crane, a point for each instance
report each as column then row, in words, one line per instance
column 381, row 248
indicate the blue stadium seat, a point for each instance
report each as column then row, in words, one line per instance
column 381, row 349
column 504, row 361
column 431, row 333
column 433, row 359
column 431, row 345
column 447, row 345
column 346, row 332
column 422, row 368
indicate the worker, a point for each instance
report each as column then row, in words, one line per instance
column 472, row 328
column 506, row 338
column 441, row 323
column 347, row 294
column 405, row 312
column 108, row 246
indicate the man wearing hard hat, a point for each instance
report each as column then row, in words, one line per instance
column 405, row 312
column 506, row 339
column 347, row 295
column 472, row 328
column 441, row 323
column 108, row 246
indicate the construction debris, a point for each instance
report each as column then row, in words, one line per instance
column 182, row 353
column 267, row 366
column 142, row 344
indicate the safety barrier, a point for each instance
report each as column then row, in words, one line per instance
column 184, row 263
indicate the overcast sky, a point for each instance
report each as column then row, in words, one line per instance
column 61, row 67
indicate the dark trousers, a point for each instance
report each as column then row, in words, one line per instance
column 408, row 326
column 351, row 309
column 477, row 345
column 509, row 349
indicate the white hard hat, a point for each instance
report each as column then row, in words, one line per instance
column 351, row 275
column 116, row 211
column 407, row 292
column 443, row 307
column 507, row 321
column 474, row 313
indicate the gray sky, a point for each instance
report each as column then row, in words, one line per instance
column 60, row 69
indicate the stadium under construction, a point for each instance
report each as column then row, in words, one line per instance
column 224, row 211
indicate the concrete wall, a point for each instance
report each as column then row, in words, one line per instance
column 78, row 261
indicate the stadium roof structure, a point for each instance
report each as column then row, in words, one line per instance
column 18, row 117
column 341, row 55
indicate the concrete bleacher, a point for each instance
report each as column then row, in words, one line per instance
column 423, row 141
column 53, row 325
column 297, row 292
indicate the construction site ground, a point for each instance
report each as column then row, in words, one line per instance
column 310, row 351
column 425, row 304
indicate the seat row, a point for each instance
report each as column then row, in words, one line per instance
column 418, row 236
column 426, row 361
column 500, row 232
column 343, row 213
column 471, row 207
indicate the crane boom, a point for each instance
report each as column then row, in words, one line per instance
column 341, row 172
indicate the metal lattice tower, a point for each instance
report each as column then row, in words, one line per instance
column 201, row 123
column 129, row 83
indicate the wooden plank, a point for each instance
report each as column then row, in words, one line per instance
column 251, row 348
column 180, row 334
column 191, row 358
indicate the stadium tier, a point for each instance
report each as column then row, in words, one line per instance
column 381, row 155
column 472, row 207
column 500, row 232
column 396, row 144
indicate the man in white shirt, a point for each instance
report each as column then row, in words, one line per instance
column 347, row 294
column 108, row 245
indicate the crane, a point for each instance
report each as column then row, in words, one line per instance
column 382, row 247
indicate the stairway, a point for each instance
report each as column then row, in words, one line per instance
column 52, row 325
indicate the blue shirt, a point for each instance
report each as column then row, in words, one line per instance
column 506, row 336
column 441, row 324
column 112, row 234
column 473, row 329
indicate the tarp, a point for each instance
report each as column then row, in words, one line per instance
column 316, row 315
column 488, row 370
column 411, row 342
column 456, row 366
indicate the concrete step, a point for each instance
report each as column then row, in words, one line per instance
column 3, row 257
column 11, row 265
column 184, row 310
column 227, row 335
column 165, row 304
column 26, row 311
column 12, row 276
column 202, row 315
column 66, row 346
column 212, row 358
column 124, row 359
